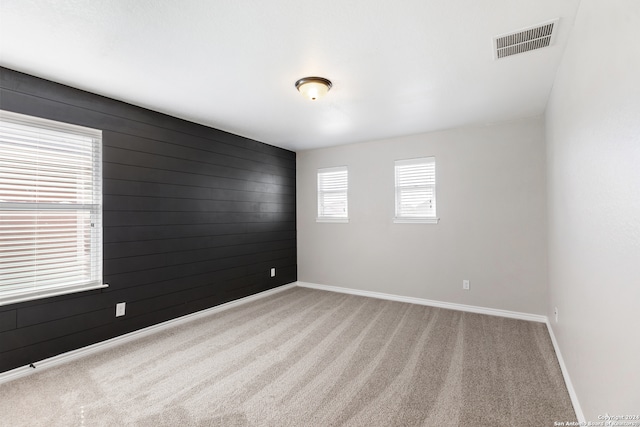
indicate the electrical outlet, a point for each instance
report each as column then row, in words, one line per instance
column 465, row 285
column 555, row 313
column 273, row 272
column 120, row 307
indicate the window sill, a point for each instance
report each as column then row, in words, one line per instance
column 22, row 296
column 416, row 220
column 337, row 220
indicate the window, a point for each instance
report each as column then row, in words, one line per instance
column 332, row 194
column 50, row 208
column 416, row 190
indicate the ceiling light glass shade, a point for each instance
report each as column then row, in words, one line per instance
column 313, row 88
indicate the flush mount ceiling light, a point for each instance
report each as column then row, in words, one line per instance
column 313, row 88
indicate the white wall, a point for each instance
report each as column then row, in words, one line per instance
column 491, row 202
column 593, row 137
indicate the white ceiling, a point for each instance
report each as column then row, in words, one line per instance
column 398, row 68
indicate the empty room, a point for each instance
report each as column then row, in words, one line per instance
column 348, row 213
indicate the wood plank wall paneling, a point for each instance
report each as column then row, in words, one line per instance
column 193, row 217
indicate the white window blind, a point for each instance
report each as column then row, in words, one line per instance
column 416, row 190
column 333, row 185
column 50, row 208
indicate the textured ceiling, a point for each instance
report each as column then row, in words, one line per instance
column 398, row 68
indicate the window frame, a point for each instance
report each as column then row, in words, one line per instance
column 37, row 213
column 322, row 215
column 401, row 217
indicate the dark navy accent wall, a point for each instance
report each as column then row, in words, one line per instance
column 193, row 217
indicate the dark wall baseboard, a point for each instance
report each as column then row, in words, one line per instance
column 193, row 217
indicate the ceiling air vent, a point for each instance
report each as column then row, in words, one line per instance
column 524, row 40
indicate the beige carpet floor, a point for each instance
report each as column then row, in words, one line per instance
column 305, row 357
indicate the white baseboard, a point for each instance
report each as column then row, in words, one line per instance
column 432, row 303
column 567, row 379
column 113, row 342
